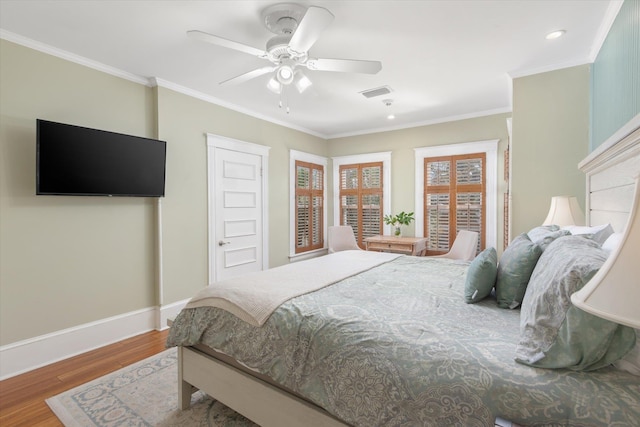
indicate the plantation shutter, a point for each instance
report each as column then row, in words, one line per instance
column 309, row 206
column 470, row 196
column 361, row 199
column 454, row 199
column 437, row 198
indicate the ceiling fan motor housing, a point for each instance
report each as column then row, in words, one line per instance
column 278, row 46
column 283, row 18
column 278, row 50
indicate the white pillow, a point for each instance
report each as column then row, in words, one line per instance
column 598, row 233
column 612, row 242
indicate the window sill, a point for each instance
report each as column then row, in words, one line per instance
column 308, row 255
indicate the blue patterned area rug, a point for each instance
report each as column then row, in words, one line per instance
column 142, row 394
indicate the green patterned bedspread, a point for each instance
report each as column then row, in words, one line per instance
column 397, row 346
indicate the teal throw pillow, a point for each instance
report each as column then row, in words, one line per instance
column 514, row 270
column 481, row 276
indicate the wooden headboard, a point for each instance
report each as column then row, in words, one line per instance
column 610, row 171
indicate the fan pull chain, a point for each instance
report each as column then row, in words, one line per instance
column 286, row 100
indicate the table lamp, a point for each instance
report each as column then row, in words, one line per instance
column 564, row 211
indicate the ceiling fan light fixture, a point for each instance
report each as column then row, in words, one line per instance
column 274, row 86
column 284, row 74
column 301, row 81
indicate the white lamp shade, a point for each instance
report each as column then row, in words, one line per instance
column 301, row 81
column 564, row 211
column 284, row 74
column 614, row 292
column 274, row 86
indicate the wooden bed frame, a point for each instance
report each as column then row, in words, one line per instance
column 261, row 402
column 610, row 172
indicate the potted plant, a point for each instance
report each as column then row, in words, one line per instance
column 396, row 221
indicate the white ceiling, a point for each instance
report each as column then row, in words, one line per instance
column 443, row 60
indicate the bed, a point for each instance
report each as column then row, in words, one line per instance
column 395, row 344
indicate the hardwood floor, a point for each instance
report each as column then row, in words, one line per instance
column 22, row 398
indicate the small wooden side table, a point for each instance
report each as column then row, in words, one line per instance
column 402, row 245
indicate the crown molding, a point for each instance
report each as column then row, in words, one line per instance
column 554, row 67
column 607, row 22
column 440, row 120
column 72, row 57
column 155, row 81
column 149, row 82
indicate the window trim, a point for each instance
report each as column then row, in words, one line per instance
column 385, row 158
column 311, row 194
column 490, row 148
column 294, row 156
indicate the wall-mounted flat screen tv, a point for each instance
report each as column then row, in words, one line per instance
column 78, row 161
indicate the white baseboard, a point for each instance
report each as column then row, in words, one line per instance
column 33, row 353
column 169, row 311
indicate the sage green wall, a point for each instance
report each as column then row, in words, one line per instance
column 550, row 136
column 183, row 122
column 65, row 261
column 615, row 80
column 401, row 143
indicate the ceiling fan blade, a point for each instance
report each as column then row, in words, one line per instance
column 248, row 76
column 315, row 20
column 344, row 65
column 230, row 44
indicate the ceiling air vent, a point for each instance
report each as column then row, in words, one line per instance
column 379, row 91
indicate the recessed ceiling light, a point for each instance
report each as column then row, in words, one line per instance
column 555, row 34
column 391, row 117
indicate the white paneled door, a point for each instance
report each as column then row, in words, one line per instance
column 237, row 212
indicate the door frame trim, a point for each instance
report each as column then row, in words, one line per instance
column 217, row 141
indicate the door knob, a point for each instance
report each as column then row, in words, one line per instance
column 222, row 243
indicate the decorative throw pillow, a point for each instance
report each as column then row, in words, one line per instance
column 481, row 276
column 514, row 270
column 554, row 333
column 542, row 231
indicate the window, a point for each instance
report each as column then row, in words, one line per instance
column 454, row 195
column 361, row 193
column 308, row 207
column 433, row 207
column 361, row 199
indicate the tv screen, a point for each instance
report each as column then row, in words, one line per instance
column 78, row 161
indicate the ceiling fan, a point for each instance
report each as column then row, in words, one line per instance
column 297, row 28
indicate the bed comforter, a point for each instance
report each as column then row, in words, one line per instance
column 397, row 346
